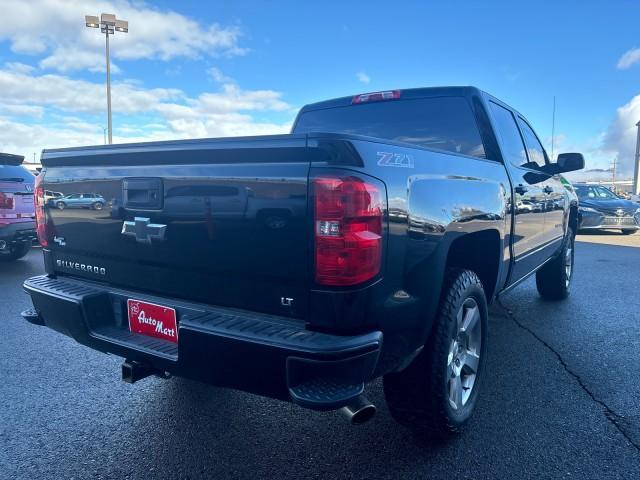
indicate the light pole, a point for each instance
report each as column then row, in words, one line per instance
column 108, row 25
column 636, row 175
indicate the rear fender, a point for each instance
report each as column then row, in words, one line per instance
column 443, row 210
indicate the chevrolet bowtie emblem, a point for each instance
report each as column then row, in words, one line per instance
column 143, row 230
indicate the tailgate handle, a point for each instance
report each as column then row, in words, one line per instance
column 142, row 193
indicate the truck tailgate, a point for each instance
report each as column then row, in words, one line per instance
column 219, row 222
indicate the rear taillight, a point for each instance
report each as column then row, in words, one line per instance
column 6, row 201
column 348, row 229
column 43, row 227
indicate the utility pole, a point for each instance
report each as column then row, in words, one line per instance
column 553, row 127
column 635, row 188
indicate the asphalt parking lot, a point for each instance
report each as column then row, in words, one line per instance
column 561, row 400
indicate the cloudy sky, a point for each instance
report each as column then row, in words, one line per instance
column 220, row 68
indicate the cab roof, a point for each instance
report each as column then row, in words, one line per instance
column 405, row 94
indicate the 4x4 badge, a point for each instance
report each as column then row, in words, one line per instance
column 143, row 230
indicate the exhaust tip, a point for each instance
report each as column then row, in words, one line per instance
column 363, row 415
column 359, row 411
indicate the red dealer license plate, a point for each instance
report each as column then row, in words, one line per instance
column 152, row 320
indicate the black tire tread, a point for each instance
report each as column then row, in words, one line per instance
column 550, row 279
column 415, row 396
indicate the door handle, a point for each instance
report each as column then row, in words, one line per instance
column 547, row 189
column 521, row 189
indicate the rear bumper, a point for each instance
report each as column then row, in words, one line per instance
column 18, row 232
column 262, row 354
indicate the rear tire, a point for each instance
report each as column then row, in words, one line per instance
column 628, row 232
column 15, row 253
column 436, row 394
column 554, row 279
column 61, row 205
column 97, row 206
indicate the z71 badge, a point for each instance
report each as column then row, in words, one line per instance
column 389, row 159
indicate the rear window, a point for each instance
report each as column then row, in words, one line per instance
column 15, row 173
column 445, row 123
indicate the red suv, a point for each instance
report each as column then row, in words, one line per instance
column 17, row 211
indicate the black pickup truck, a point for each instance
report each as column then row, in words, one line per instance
column 367, row 243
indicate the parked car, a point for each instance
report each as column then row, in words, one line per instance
column 601, row 209
column 93, row 201
column 50, row 196
column 525, row 206
column 409, row 230
column 17, row 212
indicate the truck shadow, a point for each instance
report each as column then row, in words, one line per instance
column 232, row 434
column 532, row 417
column 528, row 405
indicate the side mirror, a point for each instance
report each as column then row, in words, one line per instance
column 569, row 162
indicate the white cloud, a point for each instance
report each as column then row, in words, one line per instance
column 620, row 138
column 69, row 45
column 22, row 110
column 629, row 58
column 617, row 142
column 24, row 139
column 233, row 98
column 218, row 76
column 19, row 67
column 67, row 59
column 363, row 77
column 73, row 112
column 78, row 95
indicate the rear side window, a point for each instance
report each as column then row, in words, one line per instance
column 534, row 147
column 445, row 123
column 513, row 148
column 15, row 173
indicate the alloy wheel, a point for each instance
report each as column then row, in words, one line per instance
column 463, row 360
column 568, row 264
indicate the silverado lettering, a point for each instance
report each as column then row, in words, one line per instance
column 81, row 267
column 392, row 269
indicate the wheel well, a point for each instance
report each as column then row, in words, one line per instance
column 479, row 252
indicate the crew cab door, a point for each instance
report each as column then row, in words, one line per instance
column 556, row 200
column 529, row 198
